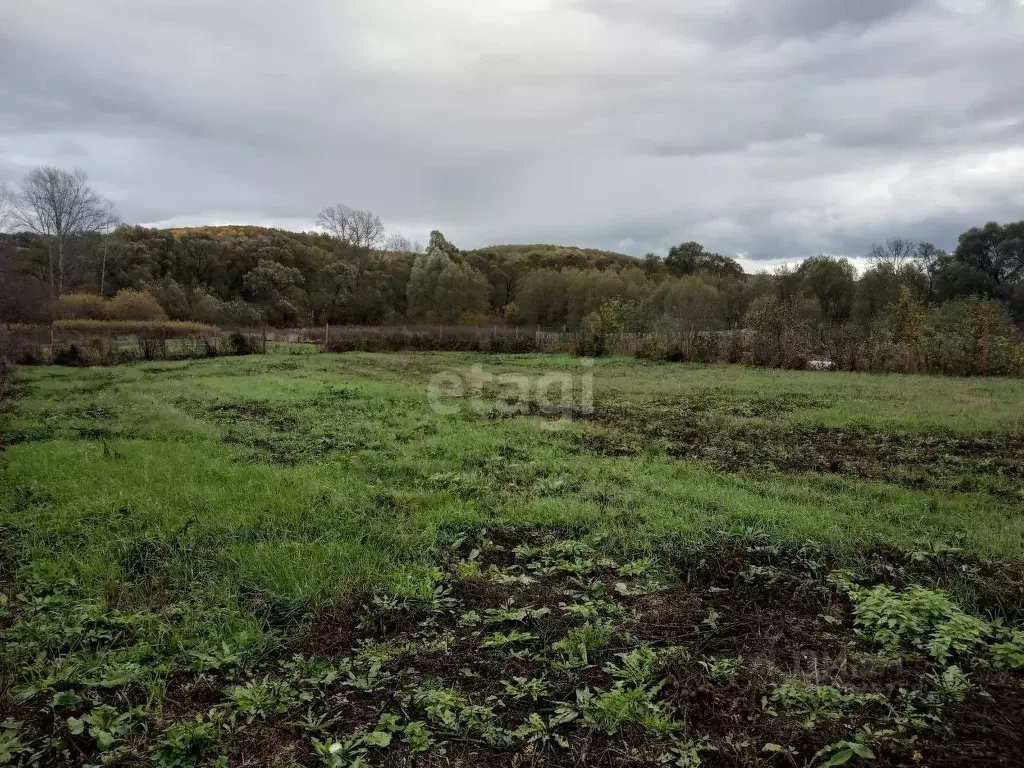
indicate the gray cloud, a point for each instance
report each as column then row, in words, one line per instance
column 776, row 19
column 765, row 128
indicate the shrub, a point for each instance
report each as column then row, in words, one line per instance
column 134, row 305
column 241, row 314
column 593, row 337
column 477, row 319
column 170, row 328
column 207, row 308
column 79, row 306
column 244, row 344
column 71, row 355
column 781, row 331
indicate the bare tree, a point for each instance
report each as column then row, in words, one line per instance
column 368, row 231
column 398, row 243
column 895, row 255
column 336, row 220
column 928, row 256
column 110, row 221
column 60, row 205
column 6, row 208
column 360, row 229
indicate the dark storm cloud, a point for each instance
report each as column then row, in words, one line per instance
column 765, row 128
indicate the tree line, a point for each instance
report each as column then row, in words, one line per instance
column 65, row 242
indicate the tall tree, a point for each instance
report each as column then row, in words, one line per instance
column 832, row 282
column 60, row 205
column 109, row 221
column 895, row 255
column 396, row 242
column 359, row 229
column 6, row 208
column 997, row 250
column 929, row 256
column 691, row 258
column 443, row 286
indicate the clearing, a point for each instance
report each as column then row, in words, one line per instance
column 294, row 559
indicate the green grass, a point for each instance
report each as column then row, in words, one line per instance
column 345, row 476
column 169, row 522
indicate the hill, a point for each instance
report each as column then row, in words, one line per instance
column 556, row 256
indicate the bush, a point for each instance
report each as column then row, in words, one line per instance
column 241, row 314
column 170, row 328
column 782, row 331
column 71, row 355
column 134, row 305
column 245, row 344
column 79, row 306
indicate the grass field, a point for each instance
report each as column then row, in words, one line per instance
column 265, row 560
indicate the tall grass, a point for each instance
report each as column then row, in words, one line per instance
column 100, row 342
column 491, row 340
column 840, row 349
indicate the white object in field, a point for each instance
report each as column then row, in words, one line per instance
column 820, row 365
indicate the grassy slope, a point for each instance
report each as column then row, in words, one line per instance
column 303, row 477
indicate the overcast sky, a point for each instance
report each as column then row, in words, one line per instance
column 766, row 129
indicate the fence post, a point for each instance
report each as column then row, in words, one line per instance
column 327, row 335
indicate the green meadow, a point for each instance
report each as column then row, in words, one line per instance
column 227, row 501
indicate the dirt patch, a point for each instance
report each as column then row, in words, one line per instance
column 275, row 434
column 526, row 648
column 993, row 463
column 728, row 627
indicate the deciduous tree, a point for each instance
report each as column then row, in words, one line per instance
column 690, row 258
column 894, row 255
column 6, row 208
column 61, row 205
column 359, row 229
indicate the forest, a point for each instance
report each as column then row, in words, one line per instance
column 83, row 263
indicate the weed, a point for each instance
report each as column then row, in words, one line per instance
column 107, row 727
column 417, row 737
column 609, row 711
column 918, row 618
column 502, row 639
column 539, row 733
column 818, row 701
column 183, row 745
column 636, row 668
column 10, row 742
column 532, row 688
column 261, row 700
column 721, row 670
column 686, row 754
column 578, row 647
column 842, row 753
